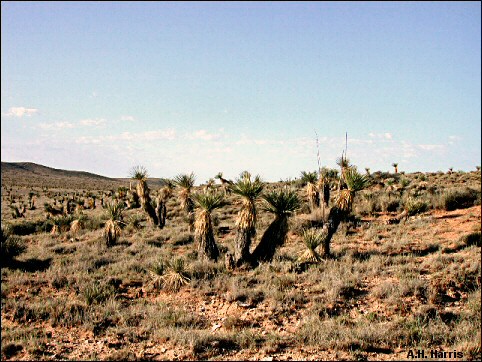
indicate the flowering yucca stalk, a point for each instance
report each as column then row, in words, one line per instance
column 204, row 234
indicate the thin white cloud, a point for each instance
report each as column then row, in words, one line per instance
column 204, row 135
column 19, row 112
column 386, row 135
column 167, row 134
column 454, row 139
column 127, row 118
column 431, row 147
column 92, row 122
column 56, row 125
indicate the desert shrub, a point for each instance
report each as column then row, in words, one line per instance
column 94, row 223
column 472, row 239
column 11, row 246
column 10, row 349
column 415, row 207
column 460, row 199
column 390, row 205
column 25, row 227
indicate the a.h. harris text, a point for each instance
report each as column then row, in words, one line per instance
column 435, row 354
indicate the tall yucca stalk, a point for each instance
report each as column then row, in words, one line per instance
column 112, row 229
column 249, row 191
column 186, row 183
column 204, row 234
column 282, row 203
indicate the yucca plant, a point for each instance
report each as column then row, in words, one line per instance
column 204, row 234
column 112, row 229
column 395, row 166
column 166, row 190
column 344, row 164
column 185, row 183
column 225, row 184
column 155, row 210
column 78, row 224
column 310, row 179
column 282, row 203
column 313, row 238
column 354, row 182
column 323, row 190
column 249, row 191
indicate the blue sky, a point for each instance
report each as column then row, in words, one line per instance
column 232, row 86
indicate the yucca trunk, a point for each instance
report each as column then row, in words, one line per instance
column 188, row 206
column 204, row 236
column 161, row 213
column 334, row 219
column 153, row 213
column 273, row 237
column 246, row 230
column 313, row 197
column 326, row 193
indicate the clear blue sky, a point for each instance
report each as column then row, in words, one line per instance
column 232, row 86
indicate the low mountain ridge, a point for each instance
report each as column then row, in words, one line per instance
column 28, row 173
column 33, row 174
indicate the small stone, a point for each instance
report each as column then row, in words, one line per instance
column 216, row 326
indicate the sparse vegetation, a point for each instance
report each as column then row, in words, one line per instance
column 379, row 289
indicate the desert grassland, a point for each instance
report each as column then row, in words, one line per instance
column 386, row 288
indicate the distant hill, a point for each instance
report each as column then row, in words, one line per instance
column 32, row 174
